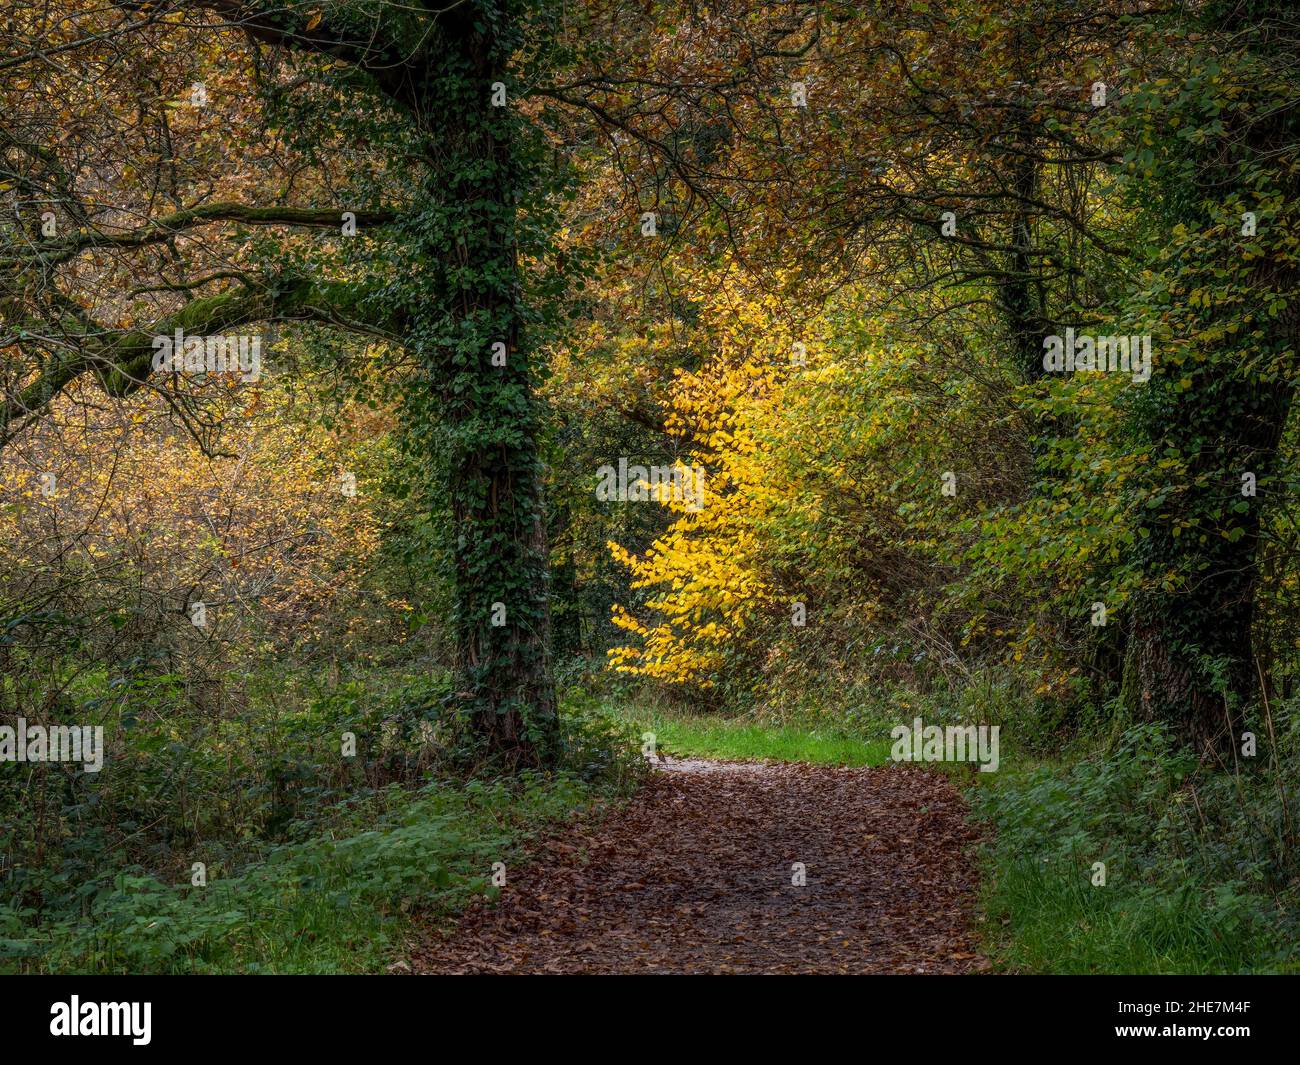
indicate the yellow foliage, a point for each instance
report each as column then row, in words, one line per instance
column 707, row 572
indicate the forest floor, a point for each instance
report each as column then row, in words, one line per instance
column 699, row 873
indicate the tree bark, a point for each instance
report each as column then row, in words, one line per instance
column 503, row 679
column 1193, row 662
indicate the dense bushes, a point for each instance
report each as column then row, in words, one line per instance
column 333, row 902
column 1201, row 865
column 300, row 842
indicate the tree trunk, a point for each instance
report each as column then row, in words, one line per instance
column 1193, row 654
column 482, row 390
column 503, row 667
column 1224, row 410
column 1020, row 290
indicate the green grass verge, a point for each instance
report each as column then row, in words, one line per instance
column 332, row 904
column 1191, row 884
column 728, row 738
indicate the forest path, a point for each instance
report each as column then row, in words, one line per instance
column 694, row 875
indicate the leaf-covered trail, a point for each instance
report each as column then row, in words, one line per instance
column 695, row 875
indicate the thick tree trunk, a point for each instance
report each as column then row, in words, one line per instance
column 1223, row 412
column 1193, row 664
column 483, row 385
column 1192, row 654
column 503, row 668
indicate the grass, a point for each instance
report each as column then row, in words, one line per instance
column 1189, row 885
column 292, row 860
column 338, row 903
column 1054, row 920
column 727, row 738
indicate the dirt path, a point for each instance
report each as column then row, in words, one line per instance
column 695, row 876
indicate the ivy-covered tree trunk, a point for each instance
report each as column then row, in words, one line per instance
column 1020, row 290
column 1192, row 648
column 1214, row 412
column 481, row 381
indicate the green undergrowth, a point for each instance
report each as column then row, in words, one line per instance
column 1200, row 866
column 335, row 903
column 252, row 844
